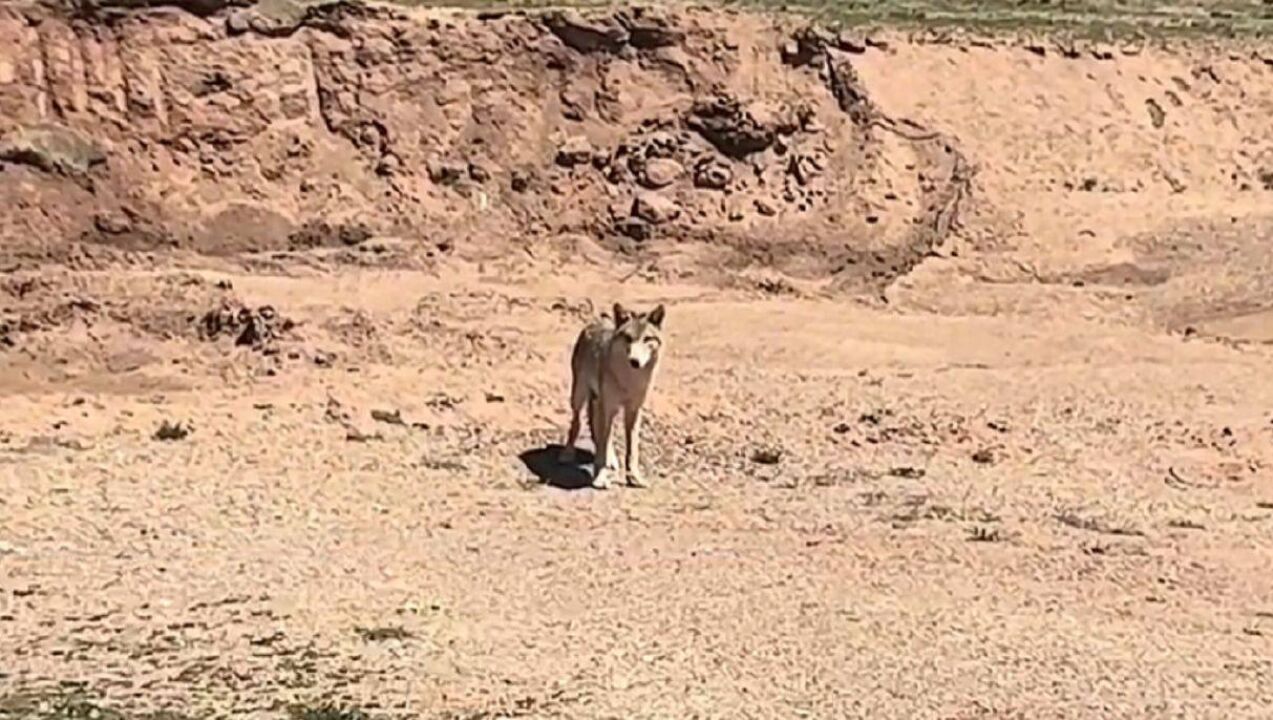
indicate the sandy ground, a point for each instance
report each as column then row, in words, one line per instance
column 1026, row 477
column 966, row 518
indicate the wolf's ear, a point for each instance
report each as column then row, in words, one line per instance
column 656, row 316
column 621, row 314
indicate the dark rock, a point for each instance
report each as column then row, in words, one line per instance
column 807, row 45
column 849, row 92
column 478, row 173
column 604, row 35
column 766, row 456
column 202, row 8
column 729, row 127
column 851, row 42
column 635, row 228
column 169, row 431
column 648, row 29
column 519, row 181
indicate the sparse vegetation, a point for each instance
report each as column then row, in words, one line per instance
column 1086, row 19
column 1091, row 19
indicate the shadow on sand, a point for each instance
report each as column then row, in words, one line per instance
column 544, row 462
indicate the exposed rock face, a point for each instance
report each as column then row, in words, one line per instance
column 224, row 127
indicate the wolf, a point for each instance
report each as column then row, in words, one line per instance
column 612, row 369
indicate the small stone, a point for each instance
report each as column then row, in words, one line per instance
column 635, row 228
column 519, row 182
column 766, row 208
column 388, row 165
column 575, row 151
column 766, row 456
column 660, row 172
column 655, row 209
column 112, row 223
column 713, row 176
column 444, row 172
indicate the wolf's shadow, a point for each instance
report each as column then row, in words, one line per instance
column 544, row 462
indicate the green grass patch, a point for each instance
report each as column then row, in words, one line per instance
column 1089, row 19
column 1095, row 19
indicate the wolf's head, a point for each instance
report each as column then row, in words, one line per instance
column 639, row 335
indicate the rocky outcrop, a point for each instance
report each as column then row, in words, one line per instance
column 224, row 128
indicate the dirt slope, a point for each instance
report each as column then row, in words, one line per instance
column 965, row 412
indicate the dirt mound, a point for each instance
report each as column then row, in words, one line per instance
column 230, row 130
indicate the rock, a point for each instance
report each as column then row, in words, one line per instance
column 169, row 431
column 1157, row 116
column 388, row 166
column 648, row 28
column 713, row 175
column 635, row 228
column 575, row 151
column 655, row 209
column 478, row 173
column 202, row 8
column 320, row 234
column 271, row 18
column 619, row 210
column 804, row 47
column 804, row 168
column 52, row 148
column 258, row 329
column 660, row 172
column 766, row 208
column 389, row 417
column 446, row 172
column 605, row 35
column 849, row 92
column 766, row 455
column 729, row 127
column 519, row 181
column 239, row 22
column 112, row 223
column 573, row 103
column 851, row 42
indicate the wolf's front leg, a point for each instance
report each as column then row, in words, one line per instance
column 604, row 463
column 632, row 430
